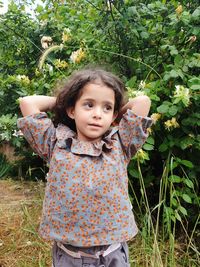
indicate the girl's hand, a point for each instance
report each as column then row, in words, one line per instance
column 140, row 105
column 34, row 104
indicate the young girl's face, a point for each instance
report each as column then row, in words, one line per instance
column 93, row 112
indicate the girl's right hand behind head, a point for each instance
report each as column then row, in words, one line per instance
column 34, row 104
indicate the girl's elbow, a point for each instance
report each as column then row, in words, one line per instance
column 147, row 101
column 23, row 105
column 26, row 106
column 141, row 105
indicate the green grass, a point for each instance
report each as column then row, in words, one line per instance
column 164, row 239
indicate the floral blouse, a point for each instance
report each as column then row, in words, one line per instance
column 86, row 198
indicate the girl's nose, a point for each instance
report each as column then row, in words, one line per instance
column 97, row 113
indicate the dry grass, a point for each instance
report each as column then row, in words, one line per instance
column 20, row 208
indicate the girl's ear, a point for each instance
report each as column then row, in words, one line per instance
column 70, row 112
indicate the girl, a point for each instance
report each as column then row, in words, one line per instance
column 86, row 210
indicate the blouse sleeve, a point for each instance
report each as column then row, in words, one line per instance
column 133, row 132
column 39, row 131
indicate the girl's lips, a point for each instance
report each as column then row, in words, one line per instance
column 95, row 125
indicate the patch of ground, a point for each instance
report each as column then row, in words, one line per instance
column 20, row 210
column 12, row 193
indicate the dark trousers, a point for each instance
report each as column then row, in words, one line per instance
column 117, row 258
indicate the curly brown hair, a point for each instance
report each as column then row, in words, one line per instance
column 72, row 88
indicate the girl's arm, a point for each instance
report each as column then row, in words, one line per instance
column 34, row 104
column 140, row 105
column 133, row 125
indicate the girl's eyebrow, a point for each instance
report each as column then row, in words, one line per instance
column 105, row 102
column 109, row 103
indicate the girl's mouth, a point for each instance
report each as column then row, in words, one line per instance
column 95, row 125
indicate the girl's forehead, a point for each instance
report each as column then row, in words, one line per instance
column 97, row 90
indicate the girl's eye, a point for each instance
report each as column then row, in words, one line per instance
column 108, row 108
column 88, row 104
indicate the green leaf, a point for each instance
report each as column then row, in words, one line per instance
column 144, row 35
column 155, row 97
column 150, row 140
column 195, row 30
column 186, row 142
column 173, row 51
column 196, row 14
column 187, row 198
column 195, row 87
column 148, row 147
column 163, row 108
column 134, row 173
column 175, row 179
column 173, row 110
column 189, row 183
column 132, row 12
column 174, row 202
column 187, row 163
column 174, row 165
column 183, row 210
column 180, row 73
column 163, row 147
column 131, row 83
column 178, row 61
column 194, row 81
column 173, row 73
column 185, row 68
column 172, row 217
column 39, row 8
column 135, row 32
column 178, row 217
column 164, row 47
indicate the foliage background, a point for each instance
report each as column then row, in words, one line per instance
column 154, row 47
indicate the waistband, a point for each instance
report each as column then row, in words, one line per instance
column 79, row 254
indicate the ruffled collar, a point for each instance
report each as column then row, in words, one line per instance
column 66, row 139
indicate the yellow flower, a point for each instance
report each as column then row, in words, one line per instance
column 191, row 135
column 181, row 94
column 149, row 131
column 141, row 155
column 142, row 85
column 23, row 78
column 170, row 124
column 78, row 55
column 60, row 64
column 174, row 123
column 66, row 35
column 155, row 117
column 133, row 93
column 179, row 10
column 37, row 73
column 46, row 41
